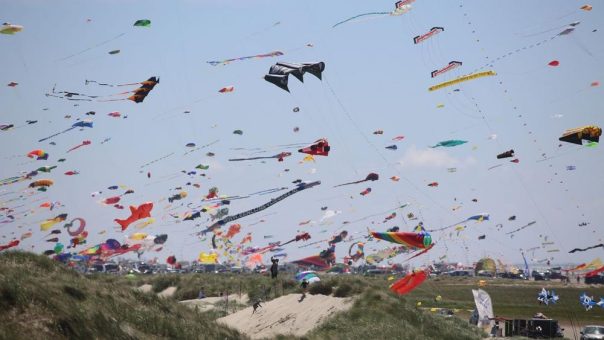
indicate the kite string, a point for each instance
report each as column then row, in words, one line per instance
column 359, row 130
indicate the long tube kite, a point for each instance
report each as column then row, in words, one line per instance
column 462, row 79
column 409, row 239
column 220, row 223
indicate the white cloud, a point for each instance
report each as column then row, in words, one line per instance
column 432, row 158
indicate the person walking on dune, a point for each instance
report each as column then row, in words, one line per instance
column 274, row 267
column 256, row 305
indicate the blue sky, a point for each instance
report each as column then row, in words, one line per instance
column 375, row 78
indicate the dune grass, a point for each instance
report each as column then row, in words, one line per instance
column 40, row 298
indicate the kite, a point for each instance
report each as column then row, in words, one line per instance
column 114, row 114
column 80, row 124
column 321, row 261
column 205, row 258
column 46, row 168
column 318, row 148
column 310, row 276
column 227, row 89
column 388, row 218
column 401, row 7
column 84, row 143
column 433, row 31
column 398, row 138
column 546, row 297
column 8, row 28
column 280, row 157
column 12, row 84
column 72, row 172
column 371, row 177
column 6, row 127
column 41, row 183
column 338, row 238
column 279, row 73
column 586, row 8
column 111, row 200
column 450, row 143
column 258, row 56
column 9, row 245
column 421, row 240
column 567, row 31
column 80, row 228
column 39, row 154
column 136, row 213
column 365, row 192
column 395, row 178
column 171, row 260
column 142, row 23
column 138, row 95
column 601, row 245
column 238, row 132
column 220, row 223
column 462, row 79
column 114, row 52
column 571, row 167
column 409, row 282
column 588, row 302
column 387, row 253
column 523, row 227
column 433, row 184
column 178, row 196
column 452, row 65
column 507, row 154
column 359, row 253
column 554, row 63
column 391, row 147
column 141, row 93
column 47, row 224
column 590, row 133
column 234, row 229
column 378, row 132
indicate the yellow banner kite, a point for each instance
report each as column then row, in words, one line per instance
column 462, row 79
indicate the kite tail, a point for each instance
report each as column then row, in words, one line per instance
column 350, row 183
column 358, row 16
column 56, row 134
column 111, row 100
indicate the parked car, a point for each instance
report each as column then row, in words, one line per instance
column 592, row 332
column 515, row 276
column 465, row 273
column 557, row 275
column 540, row 276
column 143, row 268
column 111, row 268
column 596, row 279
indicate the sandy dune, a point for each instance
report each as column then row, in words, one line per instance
column 285, row 315
column 210, row 302
column 168, row 292
column 146, row 288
